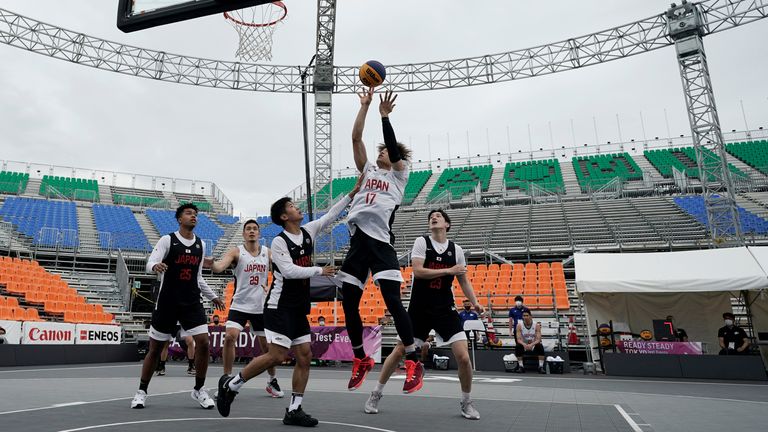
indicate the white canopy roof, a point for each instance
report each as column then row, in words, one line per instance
column 709, row 270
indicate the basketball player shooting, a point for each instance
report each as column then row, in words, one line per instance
column 370, row 221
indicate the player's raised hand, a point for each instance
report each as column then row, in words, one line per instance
column 366, row 96
column 387, row 103
column 358, row 185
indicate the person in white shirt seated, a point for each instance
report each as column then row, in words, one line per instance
column 528, row 338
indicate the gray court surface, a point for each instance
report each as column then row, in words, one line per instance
column 97, row 397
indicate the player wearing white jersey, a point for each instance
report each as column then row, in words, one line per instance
column 528, row 341
column 371, row 246
column 251, row 263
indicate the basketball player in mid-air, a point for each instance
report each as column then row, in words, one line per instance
column 251, row 263
column 371, row 245
column 178, row 259
column 287, row 305
column 436, row 262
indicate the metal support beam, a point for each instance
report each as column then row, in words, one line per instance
column 323, row 88
column 686, row 27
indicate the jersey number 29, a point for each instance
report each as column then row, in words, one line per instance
column 254, row 280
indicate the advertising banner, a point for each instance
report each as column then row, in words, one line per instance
column 654, row 347
column 12, row 331
column 328, row 343
column 47, row 333
column 93, row 334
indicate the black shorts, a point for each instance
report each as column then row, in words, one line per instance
column 368, row 254
column 165, row 317
column 538, row 350
column 445, row 321
column 287, row 327
column 237, row 319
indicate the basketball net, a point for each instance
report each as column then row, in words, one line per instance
column 255, row 26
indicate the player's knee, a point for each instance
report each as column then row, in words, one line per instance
column 230, row 338
column 203, row 344
column 462, row 358
column 304, row 360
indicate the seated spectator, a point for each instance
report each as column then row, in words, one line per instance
column 215, row 320
column 516, row 314
column 321, row 321
column 529, row 342
column 733, row 339
column 3, row 340
column 468, row 314
column 680, row 334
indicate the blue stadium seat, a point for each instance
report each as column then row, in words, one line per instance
column 48, row 223
column 228, row 219
column 124, row 231
column 750, row 222
column 165, row 222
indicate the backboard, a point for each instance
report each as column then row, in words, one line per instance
column 133, row 15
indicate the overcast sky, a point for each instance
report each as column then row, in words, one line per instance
column 250, row 144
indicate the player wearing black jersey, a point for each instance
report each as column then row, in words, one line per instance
column 436, row 262
column 287, row 305
column 177, row 259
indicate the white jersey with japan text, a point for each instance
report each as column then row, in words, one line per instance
column 251, row 275
column 373, row 208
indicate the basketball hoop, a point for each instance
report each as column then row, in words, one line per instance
column 255, row 26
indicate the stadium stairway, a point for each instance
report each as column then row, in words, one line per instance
column 644, row 165
column 751, row 172
column 496, row 185
column 149, row 229
column 421, row 198
column 33, row 188
column 98, row 288
column 231, row 238
column 86, row 224
column 173, row 203
column 105, row 194
column 570, row 180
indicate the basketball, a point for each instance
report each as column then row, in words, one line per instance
column 372, row 73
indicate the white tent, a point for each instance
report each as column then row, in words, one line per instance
column 694, row 286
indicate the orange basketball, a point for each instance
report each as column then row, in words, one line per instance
column 372, row 73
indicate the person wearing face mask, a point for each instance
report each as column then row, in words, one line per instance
column 321, row 321
column 516, row 314
column 733, row 339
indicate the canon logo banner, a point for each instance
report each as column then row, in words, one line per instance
column 48, row 333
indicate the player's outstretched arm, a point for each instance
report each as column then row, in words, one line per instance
column 358, row 146
column 229, row 259
column 386, row 106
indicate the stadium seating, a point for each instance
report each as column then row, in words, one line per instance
column 125, row 232
column 461, row 181
column 70, row 187
column 684, row 159
column 753, row 153
column 543, row 173
column 416, row 182
column 28, row 280
column 136, row 200
column 165, row 222
column 13, row 182
column 228, row 219
column 203, row 206
column 49, row 223
column 750, row 223
column 597, row 170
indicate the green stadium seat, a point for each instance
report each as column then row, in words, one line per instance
column 684, row 159
column 543, row 173
column 462, row 181
column 13, row 182
column 73, row 188
column 597, row 170
column 752, row 153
